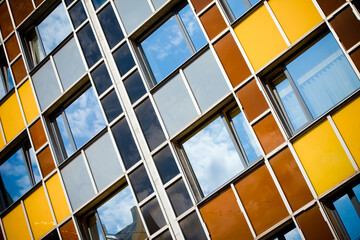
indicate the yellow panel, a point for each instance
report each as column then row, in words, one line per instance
column 347, row 121
column 57, row 198
column 11, row 118
column 39, row 214
column 323, row 158
column 15, row 225
column 28, row 102
column 260, row 37
column 296, row 17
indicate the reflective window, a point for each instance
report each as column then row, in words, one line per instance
column 97, row 3
column 172, row 44
column 191, row 227
column 77, row 14
column 164, row 236
column 140, row 183
column 236, row 8
column 18, row 173
column 216, row 153
column 111, row 105
column 47, row 35
column 110, row 26
column 117, row 218
column 124, row 59
column 134, row 87
column 77, row 124
column 288, row 233
column 165, row 164
column 179, row 197
column 312, row 83
column 101, row 78
column 89, row 45
column 153, row 216
column 6, row 80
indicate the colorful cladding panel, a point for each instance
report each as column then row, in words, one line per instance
column 213, row 22
column 68, row 231
column 5, row 20
column 15, row 225
column 37, row 134
column 260, row 37
column 296, row 17
column 323, row 158
column 12, row 47
column 28, row 102
column 19, row 70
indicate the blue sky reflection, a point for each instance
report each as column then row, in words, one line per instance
column 348, row 216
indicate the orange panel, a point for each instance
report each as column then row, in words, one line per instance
column 6, row 26
column 12, row 47
column 200, row 4
column 37, row 134
column 19, row 70
column 213, row 22
column 21, row 9
column 68, row 231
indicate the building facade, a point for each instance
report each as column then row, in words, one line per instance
column 179, row 119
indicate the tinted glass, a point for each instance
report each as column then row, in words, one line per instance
column 164, row 236
column 97, row 3
column 110, row 26
column 153, row 216
column 356, row 190
column 101, row 78
column 54, row 28
column 68, row 2
column 150, row 124
column 212, row 156
column 140, row 183
column 64, row 135
column 89, row 45
column 77, row 14
column 191, row 227
column 165, row 164
column 348, row 216
column 316, row 73
column 111, row 106
column 134, row 87
column 124, row 59
column 237, row 7
column 34, row 165
column 292, row 235
column 125, row 143
column 179, row 197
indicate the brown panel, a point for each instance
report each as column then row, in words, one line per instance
column 229, row 53
column 21, row 9
column 347, row 27
column 261, row 200
column 46, row 161
column 37, row 134
column 200, row 4
column 19, row 71
column 313, row 225
column 328, row 6
column 6, row 26
column 68, row 231
column 268, row 133
column 355, row 56
column 252, row 100
column 224, row 219
column 12, row 47
column 38, row 2
column 291, row 180
column 213, row 22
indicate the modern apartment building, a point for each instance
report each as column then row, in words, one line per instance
column 179, row 119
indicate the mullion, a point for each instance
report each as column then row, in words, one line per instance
column 41, row 42
column 247, row 4
column 68, row 131
column 27, row 161
column 355, row 202
column 184, row 33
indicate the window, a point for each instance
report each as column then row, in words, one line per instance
column 18, row 173
column 171, row 44
column 76, row 124
column 312, row 83
column 288, row 233
column 6, row 81
column 236, row 8
column 47, row 35
column 218, row 151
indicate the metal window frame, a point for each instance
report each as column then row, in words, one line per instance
column 230, row 12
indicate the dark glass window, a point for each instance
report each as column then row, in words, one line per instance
column 68, row 2
column 165, row 164
column 6, row 80
column 52, row 236
column 313, row 82
column 77, row 14
column 287, row 233
column 236, row 8
column 164, row 236
column 134, row 87
column 89, row 45
column 150, row 124
column 101, row 78
column 153, row 216
column 111, row 105
column 124, row 59
column 191, row 228
column 172, row 43
column 125, row 143
column 140, row 183
column 110, row 26
column 97, row 3
column 179, row 197
column 18, row 173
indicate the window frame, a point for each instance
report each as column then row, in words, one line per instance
column 5, row 78
column 229, row 12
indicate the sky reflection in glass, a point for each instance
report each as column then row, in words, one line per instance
column 64, row 135
column 239, row 7
column 292, row 235
column 77, row 14
column 54, row 28
column 213, row 156
column 356, row 190
column 34, row 166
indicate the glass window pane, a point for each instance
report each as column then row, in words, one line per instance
column 110, row 26
column 165, row 164
column 85, row 117
column 134, row 86
column 165, row 49
column 191, row 228
column 34, row 166
column 179, row 197
column 153, row 216
column 103, row 161
column 150, row 124
column 158, row 3
column 77, row 182
column 89, row 45
column 111, row 105
column 164, row 236
column 237, row 7
column 68, row 2
column 125, row 143
column 140, row 183
column 54, row 29
column 69, row 64
column 212, row 156
column 101, row 78
column 124, row 59
column 348, row 216
column 292, row 235
column 97, row 3
column 77, row 14
column 120, row 218
column 65, row 137
column 356, row 190
column 316, row 73
column 36, row 49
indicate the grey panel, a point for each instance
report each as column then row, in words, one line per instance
column 158, row 3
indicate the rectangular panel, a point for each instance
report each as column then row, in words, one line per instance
column 19, row 70
column 5, row 20
column 21, row 9
column 330, row 6
column 213, row 22
column 12, row 46
column 46, row 161
column 37, row 134
column 28, row 101
column 68, row 231
column 14, row 221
